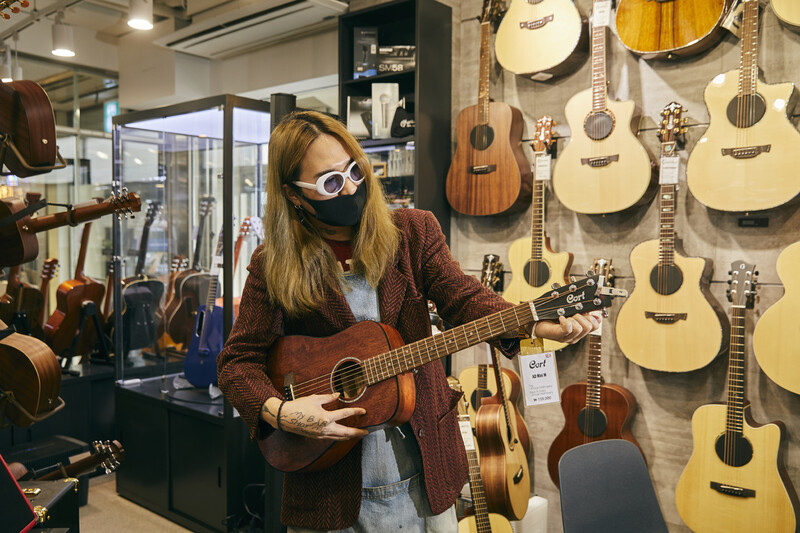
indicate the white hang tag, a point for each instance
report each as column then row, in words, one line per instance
column 601, row 14
column 539, row 378
column 466, row 434
column 670, row 170
column 541, row 170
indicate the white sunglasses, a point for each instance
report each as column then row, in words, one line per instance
column 332, row 183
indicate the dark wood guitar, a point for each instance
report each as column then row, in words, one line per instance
column 370, row 366
column 191, row 286
column 49, row 269
column 30, row 378
column 107, row 455
column 489, row 174
column 736, row 479
column 179, row 263
column 19, row 241
column 677, row 28
column 22, row 304
column 74, row 299
column 593, row 409
column 28, row 127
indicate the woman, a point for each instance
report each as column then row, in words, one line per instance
column 334, row 255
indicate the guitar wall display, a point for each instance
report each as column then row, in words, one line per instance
column 593, row 409
column 776, row 338
column 556, row 29
column 788, row 11
column 678, row 28
column 736, row 480
column 603, row 168
column 534, row 264
column 670, row 322
column 489, row 174
column 747, row 159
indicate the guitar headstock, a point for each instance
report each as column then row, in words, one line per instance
column 603, row 267
column 543, row 138
column 124, row 203
column 110, row 267
column 673, row 124
column 207, row 204
column 179, row 262
column 108, row 454
column 49, row 268
column 743, row 281
column 491, row 271
column 492, row 11
column 10, row 6
column 579, row 296
column 257, row 228
column 153, row 211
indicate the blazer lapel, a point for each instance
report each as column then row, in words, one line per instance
column 391, row 291
column 335, row 310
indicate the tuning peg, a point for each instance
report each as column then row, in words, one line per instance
column 5, row 15
column 573, row 279
column 589, row 273
column 555, row 285
column 755, row 273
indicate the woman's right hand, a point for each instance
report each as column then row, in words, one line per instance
column 306, row 416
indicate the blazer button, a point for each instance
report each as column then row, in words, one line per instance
column 421, row 432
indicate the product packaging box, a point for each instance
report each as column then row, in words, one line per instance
column 359, row 116
column 385, row 97
column 365, row 52
column 397, row 58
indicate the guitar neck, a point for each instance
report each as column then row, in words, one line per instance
column 748, row 63
column 483, row 80
column 594, row 376
column 736, row 373
column 142, row 256
column 87, row 228
column 599, row 88
column 483, row 370
column 537, row 217
column 13, row 278
column 666, row 224
column 501, row 392
column 476, row 488
column 199, row 243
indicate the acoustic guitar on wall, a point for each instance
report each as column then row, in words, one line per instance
column 678, row 28
column 534, row 264
column 489, row 174
column 671, row 322
column 776, row 338
column 555, row 29
column 736, row 480
column 747, row 159
column 603, row 168
column 788, row 11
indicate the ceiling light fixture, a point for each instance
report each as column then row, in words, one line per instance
column 62, row 38
column 140, row 14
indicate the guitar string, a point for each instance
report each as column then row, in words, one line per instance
column 351, row 377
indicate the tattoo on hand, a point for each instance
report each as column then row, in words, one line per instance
column 265, row 409
column 307, row 426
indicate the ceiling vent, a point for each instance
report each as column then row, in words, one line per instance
column 239, row 30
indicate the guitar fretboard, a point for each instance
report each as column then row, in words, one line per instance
column 594, row 376
column 478, row 493
column 483, row 79
column 599, row 90
column 537, row 217
column 748, row 64
column 666, row 226
column 736, row 373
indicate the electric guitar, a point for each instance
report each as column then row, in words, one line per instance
column 489, row 174
column 603, row 168
column 556, row 29
column 593, row 409
column 736, row 480
column 534, row 264
column 788, row 11
column 370, row 365
column 671, row 322
column 678, row 28
column 747, row 159
column 482, row 521
column 776, row 338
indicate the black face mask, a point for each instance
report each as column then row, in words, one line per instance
column 343, row 210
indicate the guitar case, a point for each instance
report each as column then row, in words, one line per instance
column 18, row 514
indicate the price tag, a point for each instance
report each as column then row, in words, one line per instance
column 670, row 169
column 539, row 378
column 541, row 169
column 601, row 15
column 466, row 434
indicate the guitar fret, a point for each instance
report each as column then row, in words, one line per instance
column 483, row 84
column 598, row 68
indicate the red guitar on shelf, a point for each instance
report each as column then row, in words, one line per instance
column 593, row 410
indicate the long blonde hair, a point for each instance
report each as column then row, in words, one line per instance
column 298, row 264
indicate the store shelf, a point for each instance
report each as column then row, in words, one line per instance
column 383, row 78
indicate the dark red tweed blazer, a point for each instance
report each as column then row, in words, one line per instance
column 424, row 270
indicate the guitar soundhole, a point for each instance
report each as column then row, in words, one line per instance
column 666, row 279
column 592, row 422
column 598, row 125
column 746, row 110
column 348, row 379
column 733, row 449
column 481, row 136
column 477, row 397
column 536, row 273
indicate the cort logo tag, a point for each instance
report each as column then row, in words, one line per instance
column 537, row 364
column 572, row 298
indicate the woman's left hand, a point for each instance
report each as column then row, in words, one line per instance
column 569, row 330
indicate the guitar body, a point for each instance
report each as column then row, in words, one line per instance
column 191, row 291
column 658, row 30
column 200, row 365
column 583, row 424
column 32, row 304
column 527, row 283
column 297, row 359
column 507, row 187
column 30, row 370
column 767, row 180
column 497, row 524
column 27, row 115
column 776, row 339
column 620, row 184
column 562, row 42
column 504, row 465
column 687, row 343
column 19, row 246
column 140, row 301
column 771, row 509
column 788, row 11
column 62, row 326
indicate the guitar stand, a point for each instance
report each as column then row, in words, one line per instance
column 21, row 323
column 89, row 309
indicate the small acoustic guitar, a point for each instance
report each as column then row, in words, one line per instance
column 107, row 455
column 489, row 174
column 747, row 160
column 788, row 11
column 676, row 28
column 671, row 322
column 179, row 263
column 736, row 480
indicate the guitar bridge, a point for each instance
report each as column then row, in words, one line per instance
column 536, row 24
column 747, row 152
column 732, row 490
column 288, row 387
column 598, row 162
column 482, row 169
column 665, row 318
